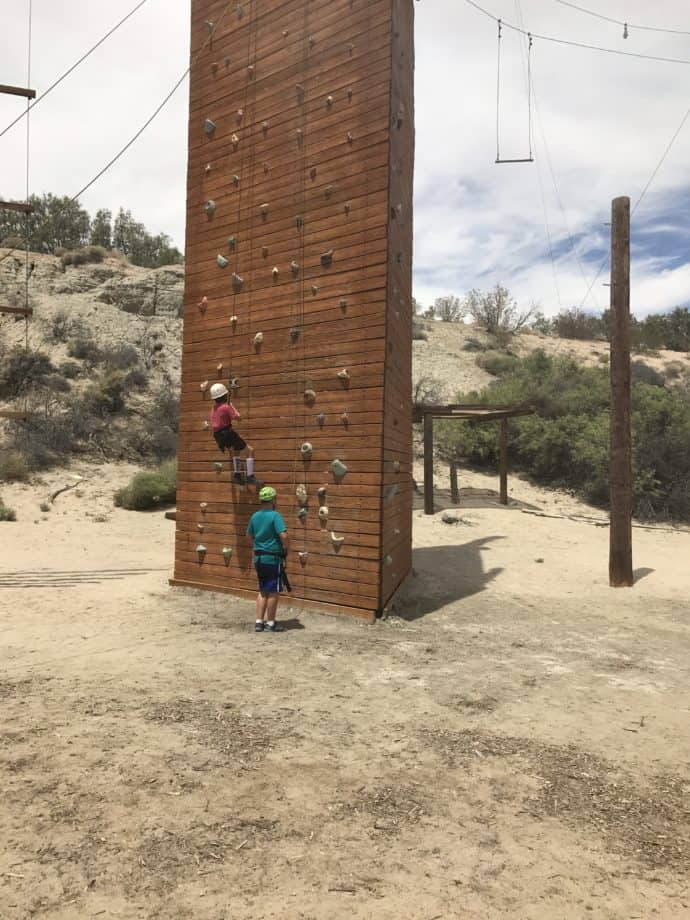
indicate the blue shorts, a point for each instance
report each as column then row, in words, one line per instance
column 270, row 577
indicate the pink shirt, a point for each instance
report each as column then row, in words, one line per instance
column 222, row 416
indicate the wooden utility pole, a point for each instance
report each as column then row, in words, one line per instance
column 620, row 551
column 504, row 462
column 428, row 463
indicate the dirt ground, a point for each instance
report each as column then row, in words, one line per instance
column 512, row 741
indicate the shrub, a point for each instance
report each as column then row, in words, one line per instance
column 449, row 309
column 428, row 391
column 7, row 514
column 473, row 345
column 21, row 370
column 83, row 256
column 62, row 327
column 496, row 312
column 673, row 370
column 85, row 349
column 149, row 489
column 13, row 466
column 496, row 362
column 136, row 379
column 419, row 333
column 120, row 357
column 645, row 374
column 577, row 324
column 70, row 370
column 105, row 396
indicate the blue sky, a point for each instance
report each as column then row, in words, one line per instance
column 600, row 124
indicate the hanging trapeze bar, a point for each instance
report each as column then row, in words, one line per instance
column 530, row 159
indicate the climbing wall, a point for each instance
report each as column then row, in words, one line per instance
column 298, row 293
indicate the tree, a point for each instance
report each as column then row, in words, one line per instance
column 55, row 222
column 101, row 229
column 496, row 311
column 449, row 309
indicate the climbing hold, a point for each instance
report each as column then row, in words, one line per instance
column 222, row 261
column 388, row 560
column 210, row 208
column 299, row 134
column 227, row 61
column 208, row 168
column 321, row 419
column 339, row 468
column 266, row 167
column 264, row 127
column 264, row 209
column 250, row 71
column 214, row 68
column 275, row 272
column 299, row 222
column 399, row 258
column 329, row 101
column 294, row 267
column 306, row 449
column 227, row 554
column 237, row 282
column 200, row 528
column 396, row 211
column 203, row 386
column 302, row 513
column 300, row 92
column 347, row 207
column 327, row 258
column 314, row 290
column 351, row 47
column 345, row 419
column 203, row 506
column 209, row 127
column 285, row 33
column 236, row 180
column 301, row 494
column 323, row 513
column 234, row 384
column 294, row 333
column 218, row 466
column 312, row 172
column 321, row 492
column 264, row 251
column 258, row 338
column 203, row 304
column 396, row 466
column 201, row 551
column 205, row 425
column 350, row 137
column 233, row 321
column 234, row 140
column 343, row 303
column 349, row 95
column 240, row 115
column 312, row 41
column 328, row 191
column 219, row 368
column 390, row 491
column 303, row 557
column 210, row 25
column 336, row 540
column 309, row 396
column 344, row 374
column 232, row 242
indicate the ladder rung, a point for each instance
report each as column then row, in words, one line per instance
column 20, row 206
column 18, row 311
column 18, row 91
column 14, row 414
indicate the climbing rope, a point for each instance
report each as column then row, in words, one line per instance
column 27, row 218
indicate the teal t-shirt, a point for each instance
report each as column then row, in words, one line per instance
column 264, row 527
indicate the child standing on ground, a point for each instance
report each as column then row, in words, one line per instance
column 268, row 535
column 223, row 414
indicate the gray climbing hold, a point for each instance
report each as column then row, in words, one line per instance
column 391, row 491
column 328, row 191
column 301, row 494
column 309, row 396
column 396, row 466
column 343, row 303
column 314, row 290
column 210, row 207
column 302, row 513
column 222, row 261
column 240, row 11
column 294, row 333
column 339, row 468
column 203, row 304
column 348, row 207
column 233, row 321
column 264, row 127
column 218, row 466
column 306, row 449
column 299, row 222
column 250, row 71
column 329, row 101
column 312, row 41
column 201, row 551
column 235, row 180
column 227, row 554
column 321, row 419
column 209, row 127
column 323, row 513
column 344, row 374
column 200, row 528
column 234, row 383
column 240, row 115
column 232, row 242
column 388, row 560
column 312, row 172
column 203, row 506
column 275, row 272
column 234, row 140
column 264, row 209
column 303, row 557
column 345, row 419
column 350, row 137
column 266, row 167
column 327, row 258
column 349, row 95
column 264, row 252
column 336, row 540
column 203, row 386
column 258, row 338
column 237, row 283
column 294, row 267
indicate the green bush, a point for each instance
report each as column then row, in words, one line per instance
column 70, row 370
column 83, row 256
column 149, row 489
column 419, row 333
column 13, row 466
column 62, row 326
column 577, row 324
column 646, row 374
column 496, row 362
column 566, row 442
column 121, row 357
column 7, row 514
column 21, row 370
column 85, row 349
column 105, row 396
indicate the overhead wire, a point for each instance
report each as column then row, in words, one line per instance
column 574, row 44
column 71, row 69
column 621, row 22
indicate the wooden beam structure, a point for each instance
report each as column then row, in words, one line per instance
column 17, row 91
column 21, row 206
column 18, row 311
column 15, row 414
column 466, row 412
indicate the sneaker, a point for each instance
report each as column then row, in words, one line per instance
column 275, row 628
column 258, row 627
column 237, row 477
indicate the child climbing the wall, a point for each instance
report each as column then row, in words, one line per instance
column 223, row 414
column 268, row 535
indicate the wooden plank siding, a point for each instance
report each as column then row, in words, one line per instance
column 309, row 153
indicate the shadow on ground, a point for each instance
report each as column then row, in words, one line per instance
column 469, row 498
column 443, row 574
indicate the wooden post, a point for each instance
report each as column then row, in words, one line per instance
column 428, row 463
column 504, row 462
column 620, row 550
column 454, row 494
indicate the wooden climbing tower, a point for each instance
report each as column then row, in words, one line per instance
column 298, row 293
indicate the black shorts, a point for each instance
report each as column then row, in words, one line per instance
column 228, row 438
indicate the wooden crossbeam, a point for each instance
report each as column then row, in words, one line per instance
column 20, row 206
column 18, row 91
column 18, row 311
column 15, row 414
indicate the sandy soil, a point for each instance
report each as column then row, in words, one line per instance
column 512, row 741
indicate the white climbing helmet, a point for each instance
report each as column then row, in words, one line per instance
column 218, row 390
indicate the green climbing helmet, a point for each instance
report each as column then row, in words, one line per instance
column 267, row 494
